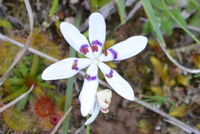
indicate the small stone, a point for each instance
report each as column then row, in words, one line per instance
column 69, row 20
column 74, row 1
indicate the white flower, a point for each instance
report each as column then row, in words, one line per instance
column 95, row 57
column 102, row 103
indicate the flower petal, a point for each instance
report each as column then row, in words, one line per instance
column 124, row 49
column 119, row 84
column 94, row 114
column 65, row 68
column 76, row 39
column 88, row 93
column 97, row 32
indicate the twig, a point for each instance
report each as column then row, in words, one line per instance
column 148, row 106
column 192, row 28
column 171, row 119
column 175, row 62
column 186, row 130
column 186, row 49
column 106, row 11
column 16, row 100
column 61, row 121
column 21, row 53
column 81, row 129
column 17, row 23
column 138, row 5
column 134, row 10
column 32, row 50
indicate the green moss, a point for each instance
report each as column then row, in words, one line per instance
column 16, row 120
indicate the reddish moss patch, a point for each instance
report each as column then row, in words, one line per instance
column 44, row 106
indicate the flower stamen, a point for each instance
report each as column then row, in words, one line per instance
column 89, row 78
column 94, row 48
column 74, row 65
column 110, row 75
column 105, row 52
column 84, row 49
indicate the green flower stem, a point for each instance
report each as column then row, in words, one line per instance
column 70, row 85
column 88, row 127
column 69, row 93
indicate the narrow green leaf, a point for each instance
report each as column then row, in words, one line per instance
column 70, row 85
column 53, row 7
column 179, row 22
column 121, row 9
column 152, row 18
column 34, row 66
column 177, row 14
column 68, row 101
column 78, row 19
column 194, row 4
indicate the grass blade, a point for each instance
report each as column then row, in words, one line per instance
column 152, row 18
column 69, row 93
column 53, row 7
column 70, row 85
column 179, row 22
column 121, row 9
column 149, row 11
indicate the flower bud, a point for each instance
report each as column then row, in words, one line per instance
column 104, row 99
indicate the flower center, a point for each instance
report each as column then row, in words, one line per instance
column 95, row 61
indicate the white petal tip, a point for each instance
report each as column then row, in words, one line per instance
column 44, row 77
column 143, row 40
column 96, row 14
column 131, row 98
column 84, row 113
column 62, row 24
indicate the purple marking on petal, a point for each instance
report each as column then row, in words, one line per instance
column 84, row 49
column 96, row 42
column 74, row 65
column 114, row 53
column 110, row 75
column 89, row 78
